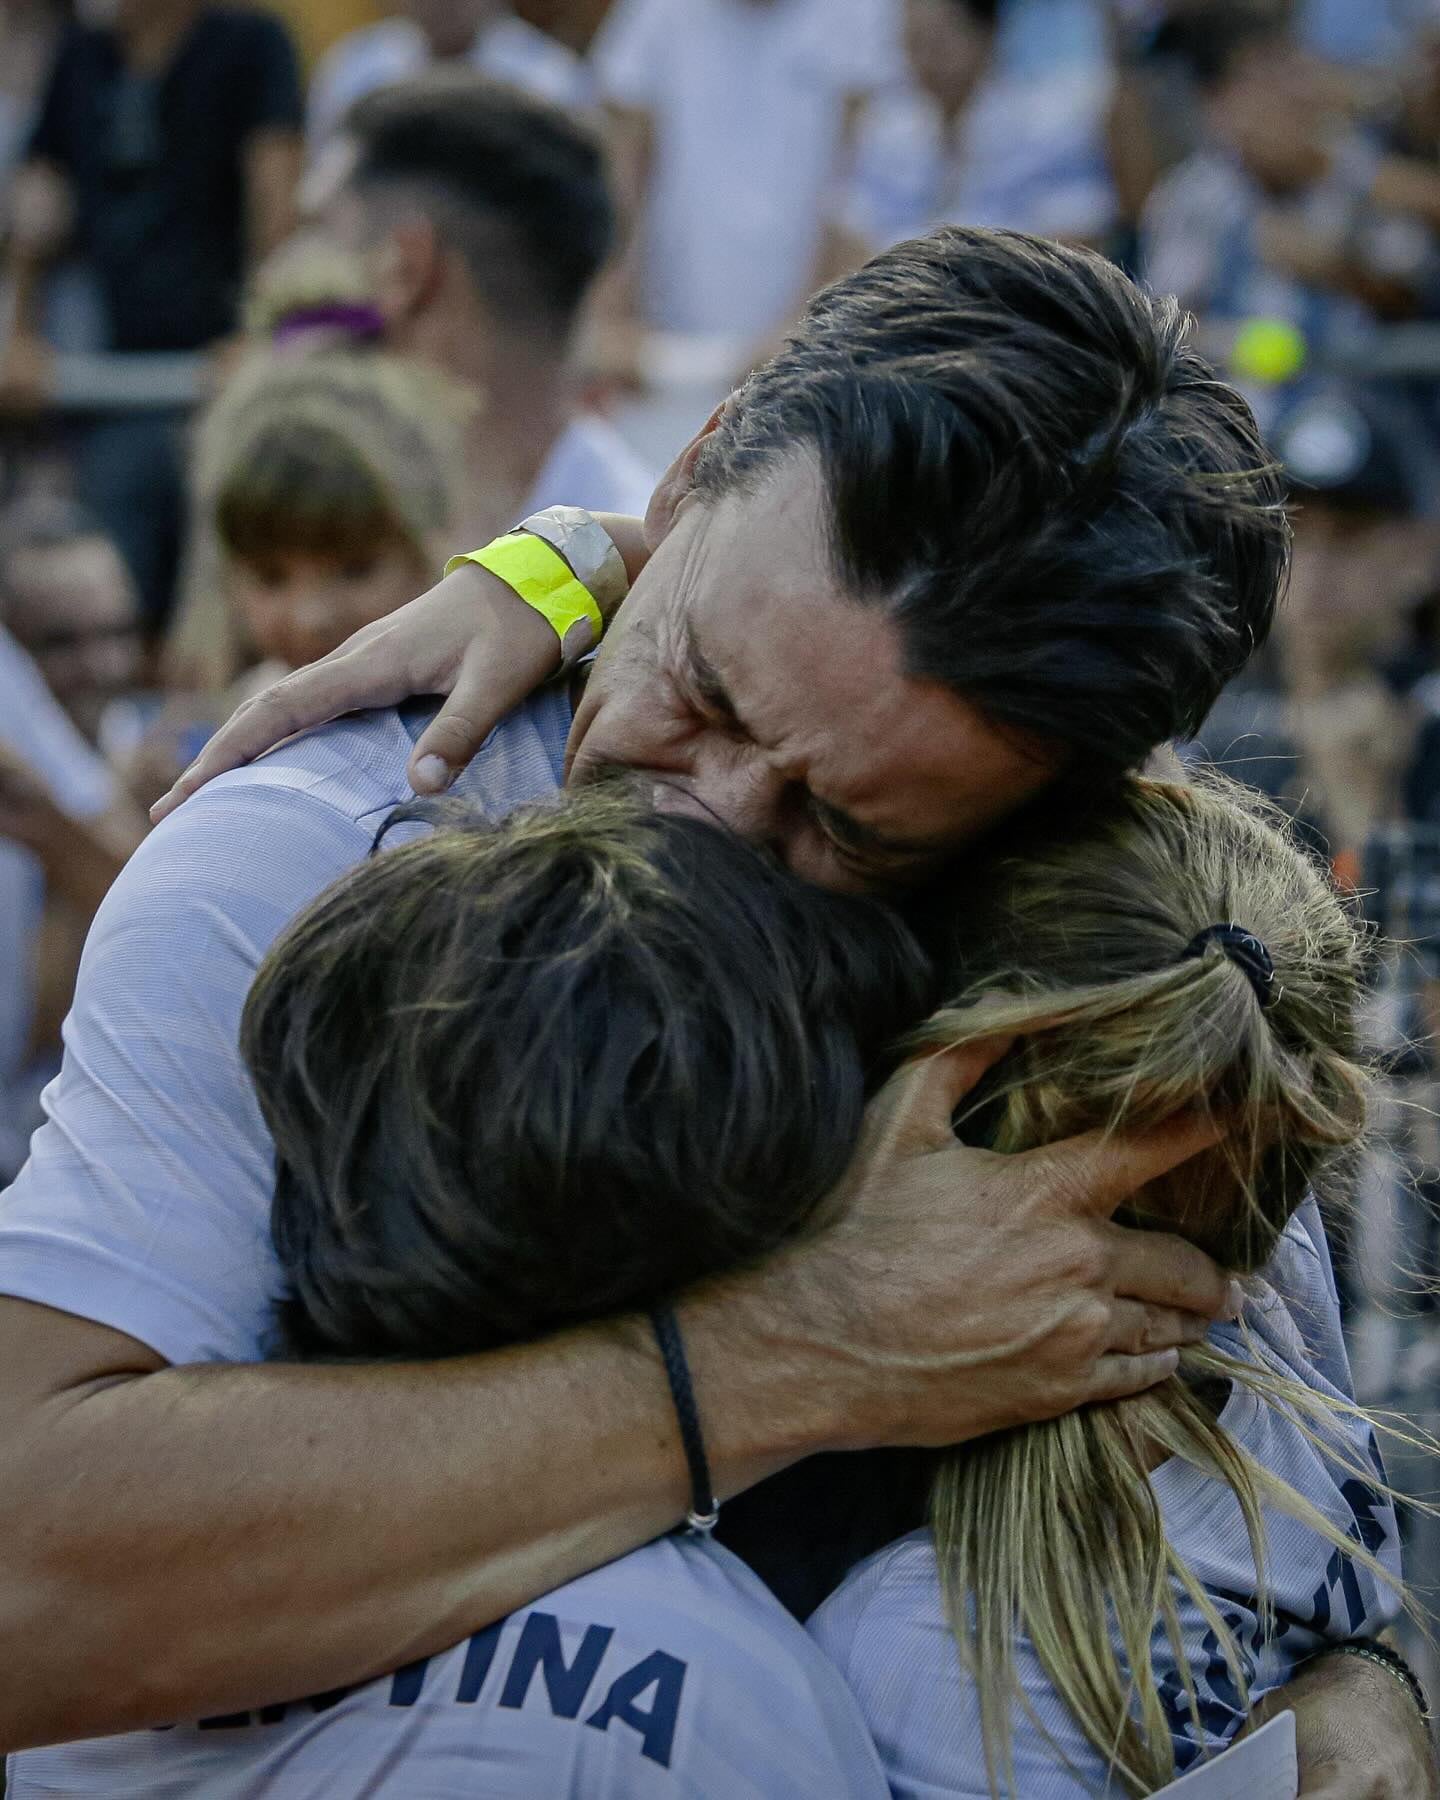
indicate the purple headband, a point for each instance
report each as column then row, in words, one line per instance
column 357, row 320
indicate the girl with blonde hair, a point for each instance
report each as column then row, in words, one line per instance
column 326, row 480
column 1100, row 1599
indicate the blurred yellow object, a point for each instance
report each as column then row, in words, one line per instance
column 1268, row 350
column 318, row 23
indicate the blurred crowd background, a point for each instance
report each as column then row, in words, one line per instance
column 294, row 300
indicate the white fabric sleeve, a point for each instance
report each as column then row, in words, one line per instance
column 1182, row 232
column 1302, row 1274
column 145, row 1203
column 867, row 46
column 629, row 54
column 34, row 726
column 353, row 66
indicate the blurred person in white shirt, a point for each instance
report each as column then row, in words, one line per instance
column 971, row 140
column 484, row 35
column 70, row 601
column 64, row 835
column 733, row 121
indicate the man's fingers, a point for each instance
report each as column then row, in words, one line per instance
column 1165, row 1271
column 1103, row 1169
column 310, row 696
column 1137, row 1329
column 352, row 677
column 1118, row 1377
column 924, row 1094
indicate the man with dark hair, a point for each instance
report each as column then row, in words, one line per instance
column 485, row 216
column 794, row 661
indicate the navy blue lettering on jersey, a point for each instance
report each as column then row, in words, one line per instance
column 645, row 1697
column 566, row 1684
column 479, row 1654
column 1338, row 1609
column 666, row 1674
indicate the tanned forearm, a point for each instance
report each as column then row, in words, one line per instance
column 1360, row 1735
column 180, row 1543
column 177, row 1543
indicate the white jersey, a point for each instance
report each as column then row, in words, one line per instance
column 670, row 1675
column 748, row 108
column 886, row 1629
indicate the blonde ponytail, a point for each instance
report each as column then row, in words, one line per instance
column 1054, row 1530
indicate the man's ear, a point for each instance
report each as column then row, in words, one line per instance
column 409, row 268
column 676, row 483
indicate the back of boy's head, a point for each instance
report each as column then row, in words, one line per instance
column 1091, row 942
column 527, row 1074
column 520, row 187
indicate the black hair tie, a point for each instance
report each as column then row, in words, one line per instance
column 704, row 1510
column 1246, row 951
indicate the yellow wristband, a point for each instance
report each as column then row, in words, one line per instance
column 543, row 580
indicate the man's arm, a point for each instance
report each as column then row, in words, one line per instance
column 193, row 1541
column 1358, row 1732
column 40, row 222
column 79, row 857
column 184, row 1541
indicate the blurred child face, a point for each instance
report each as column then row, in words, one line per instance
column 297, row 606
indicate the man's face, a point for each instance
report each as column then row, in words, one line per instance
column 450, row 25
column 73, row 609
column 755, row 694
column 948, row 50
column 1271, row 112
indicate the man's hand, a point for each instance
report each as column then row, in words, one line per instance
column 470, row 638
column 1359, row 1734
column 961, row 1292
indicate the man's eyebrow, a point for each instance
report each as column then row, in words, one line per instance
column 847, row 832
column 707, row 680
